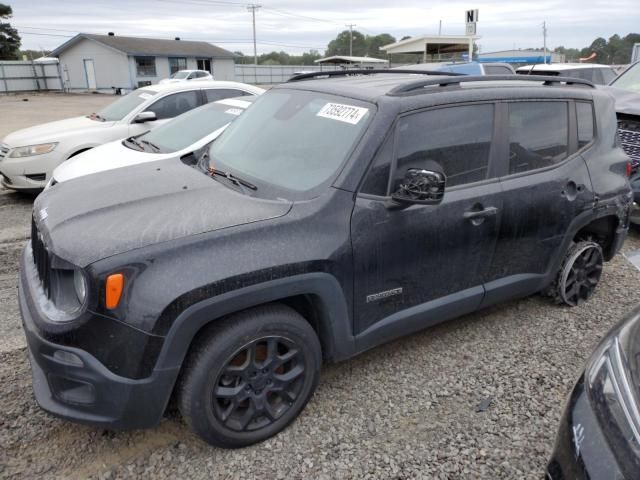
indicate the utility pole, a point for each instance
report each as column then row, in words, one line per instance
column 252, row 8
column 544, row 35
column 351, row 25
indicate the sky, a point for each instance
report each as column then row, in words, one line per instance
column 301, row 25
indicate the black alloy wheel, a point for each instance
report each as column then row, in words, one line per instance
column 259, row 383
column 249, row 375
column 580, row 273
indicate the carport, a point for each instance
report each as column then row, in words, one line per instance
column 364, row 62
column 435, row 45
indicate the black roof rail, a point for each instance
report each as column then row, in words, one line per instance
column 346, row 73
column 443, row 82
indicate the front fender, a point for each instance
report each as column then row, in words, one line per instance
column 334, row 321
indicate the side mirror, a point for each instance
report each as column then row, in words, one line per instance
column 143, row 117
column 424, row 187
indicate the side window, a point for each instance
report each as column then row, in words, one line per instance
column 174, row 105
column 584, row 114
column 377, row 180
column 497, row 70
column 220, row 93
column 608, row 75
column 538, row 135
column 454, row 140
column 596, row 76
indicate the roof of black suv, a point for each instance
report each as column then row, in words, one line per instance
column 370, row 85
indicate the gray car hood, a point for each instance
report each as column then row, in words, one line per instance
column 96, row 216
column 626, row 101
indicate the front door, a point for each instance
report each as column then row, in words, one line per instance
column 90, row 73
column 419, row 265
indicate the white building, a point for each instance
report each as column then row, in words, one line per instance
column 434, row 47
column 105, row 62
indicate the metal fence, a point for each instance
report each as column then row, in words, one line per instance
column 20, row 76
column 274, row 74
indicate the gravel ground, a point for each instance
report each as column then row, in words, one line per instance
column 25, row 110
column 408, row 409
column 403, row 410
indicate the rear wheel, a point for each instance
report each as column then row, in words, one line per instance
column 249, row 376
column 579, row 274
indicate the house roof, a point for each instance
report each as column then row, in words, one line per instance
column 150, row 46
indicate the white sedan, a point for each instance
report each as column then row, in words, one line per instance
column 29, row 156
column 183, row 135
column 186, row 75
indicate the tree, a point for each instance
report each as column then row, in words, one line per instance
column 375, row 42
column 9, row 38
column 340, row 45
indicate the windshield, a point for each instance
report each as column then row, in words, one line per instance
column 190, row 127
column 180, row 74
column 291, row 139
column 629, row 80
column 123, row 106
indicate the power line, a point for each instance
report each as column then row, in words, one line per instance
column 230, row 41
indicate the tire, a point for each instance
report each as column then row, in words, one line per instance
column 249, row 376
column 579, row 274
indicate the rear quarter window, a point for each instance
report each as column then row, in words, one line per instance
column 586, row 126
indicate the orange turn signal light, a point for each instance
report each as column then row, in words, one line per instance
column 113, row 290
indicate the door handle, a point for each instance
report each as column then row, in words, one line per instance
column 487, row 212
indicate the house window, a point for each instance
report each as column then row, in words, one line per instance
column 176, row 64
column 146, row 66
column 204, row 64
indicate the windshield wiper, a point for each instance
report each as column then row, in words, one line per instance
column 135, row 142
column 238, row 181
column 97, row 116
column 152, row 145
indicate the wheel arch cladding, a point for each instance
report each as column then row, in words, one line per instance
column 318, row 297
column 602, row 230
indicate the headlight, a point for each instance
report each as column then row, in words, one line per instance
column 80, row 285
column 32, row 150
column 613, row 398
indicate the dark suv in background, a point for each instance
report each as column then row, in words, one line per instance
column 334, row 215
column 626, row 90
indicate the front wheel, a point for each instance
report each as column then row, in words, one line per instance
column 249, row 376
column 579, row 274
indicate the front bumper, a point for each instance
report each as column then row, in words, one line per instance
column 581, row 450
column 73, row 384
column 28, row 173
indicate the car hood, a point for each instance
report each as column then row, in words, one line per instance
column 105, row 157
column 53, row 131
column 626, row 101
column 97, row 216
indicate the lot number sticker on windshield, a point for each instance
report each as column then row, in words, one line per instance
column 233, row 111
column 343, row 113
column 146, row 96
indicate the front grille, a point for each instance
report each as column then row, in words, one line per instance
column 629, row 134
column 4, row 149
column 41, row 258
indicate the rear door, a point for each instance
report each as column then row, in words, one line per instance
column 424, row 263
column 546, row 185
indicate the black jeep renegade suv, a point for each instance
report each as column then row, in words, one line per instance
column 334, row 215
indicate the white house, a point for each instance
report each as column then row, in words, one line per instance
column 105, row 62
